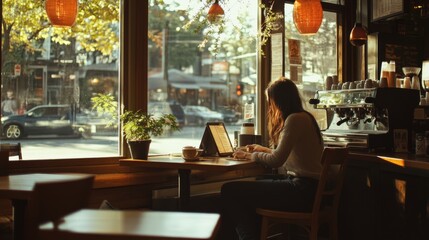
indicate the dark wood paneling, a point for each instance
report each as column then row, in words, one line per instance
column 125, row 187
column 385, row 198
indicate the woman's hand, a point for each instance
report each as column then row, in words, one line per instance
column 239, row 154
column 258, row 148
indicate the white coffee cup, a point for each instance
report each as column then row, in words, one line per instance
column 191, row 153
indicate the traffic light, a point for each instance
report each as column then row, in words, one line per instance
column 239, row 89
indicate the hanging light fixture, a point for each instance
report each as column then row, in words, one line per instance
column 61, row 13
column 307, row 16
column 215, row 12
column 358, row 35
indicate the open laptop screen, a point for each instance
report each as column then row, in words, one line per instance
column 215, row 141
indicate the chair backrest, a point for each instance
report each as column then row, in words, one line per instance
column 51, row 201
column 13, row 148
column 4, row 162
column 331, row 179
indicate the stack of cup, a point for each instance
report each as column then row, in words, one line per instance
column 399, row 82
column 391, row 75
column 334, row 82
column 383, row 73
column 328, row 83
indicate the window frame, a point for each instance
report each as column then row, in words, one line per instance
column 344, row 51
column 133, row 74
column 133, row 44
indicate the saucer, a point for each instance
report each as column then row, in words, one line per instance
column 191, row 159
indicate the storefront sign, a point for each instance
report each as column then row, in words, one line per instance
column 17, row 70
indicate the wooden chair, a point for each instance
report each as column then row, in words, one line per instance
column 6, row 222
column 325, row 206
column 4, row 162
column 13, row 148
column 53, row 200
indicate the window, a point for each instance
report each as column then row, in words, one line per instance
column 198, row 84
column 44, row 66
column 50, row 75
column 310, row 59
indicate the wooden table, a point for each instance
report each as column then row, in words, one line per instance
column 18, row 189
column 185, row 167
column 89, row 224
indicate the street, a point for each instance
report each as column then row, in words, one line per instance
column 60, row 147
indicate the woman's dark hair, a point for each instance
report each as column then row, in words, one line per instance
column 283, row 100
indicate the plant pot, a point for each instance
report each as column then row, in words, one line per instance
column 139, row 149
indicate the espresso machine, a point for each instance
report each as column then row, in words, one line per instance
column 369, row 118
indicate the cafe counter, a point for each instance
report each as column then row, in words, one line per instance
column 385, row 196
column 405, row 161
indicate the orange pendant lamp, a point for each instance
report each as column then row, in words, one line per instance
column 61, row 13
column 307, row 16
column 215, row 12
column 358, row 35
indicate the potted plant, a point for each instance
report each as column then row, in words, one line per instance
column 138, row 127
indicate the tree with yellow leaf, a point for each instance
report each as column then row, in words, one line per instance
column 25, row 26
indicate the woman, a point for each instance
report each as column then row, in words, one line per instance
column 297, row 150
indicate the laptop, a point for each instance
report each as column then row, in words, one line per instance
column 215, row 141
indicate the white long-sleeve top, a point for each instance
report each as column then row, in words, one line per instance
column 299, row 148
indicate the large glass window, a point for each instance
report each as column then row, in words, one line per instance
column 53, row 77
column 310, row 59
column 197, row 70
column 196, row 83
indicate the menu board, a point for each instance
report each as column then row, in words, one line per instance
column 215, row 141
column 403, row 55
column 382, row 9
column 405, row 51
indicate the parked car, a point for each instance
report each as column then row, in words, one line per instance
column 160, row 108
column 229, row 115
column 200, row 115
column 40, row 120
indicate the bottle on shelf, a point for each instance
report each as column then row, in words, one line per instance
column 420, row 133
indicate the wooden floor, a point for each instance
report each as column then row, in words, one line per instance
column 6, row 236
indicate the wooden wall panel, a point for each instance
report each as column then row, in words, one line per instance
column 129, row 188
